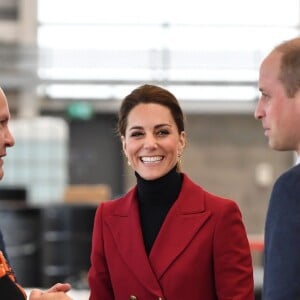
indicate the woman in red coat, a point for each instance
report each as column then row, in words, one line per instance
column 167, row 238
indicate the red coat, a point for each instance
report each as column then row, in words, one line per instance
column 201, row 252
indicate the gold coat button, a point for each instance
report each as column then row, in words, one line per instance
column 132, row 297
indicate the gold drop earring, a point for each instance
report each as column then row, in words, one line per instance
column 179, row 157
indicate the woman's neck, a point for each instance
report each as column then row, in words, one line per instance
column 162, row 190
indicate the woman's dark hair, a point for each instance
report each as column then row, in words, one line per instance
column 149, row 94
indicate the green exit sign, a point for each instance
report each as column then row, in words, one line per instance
column 80, row 110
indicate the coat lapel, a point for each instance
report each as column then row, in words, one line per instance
column 126, row 230
column 182, row 223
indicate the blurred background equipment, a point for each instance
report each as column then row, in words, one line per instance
column 87, row 193
column 49, row 244
column 66, row 244
column 21, row 230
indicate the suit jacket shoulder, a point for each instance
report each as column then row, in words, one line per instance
column 287, row 184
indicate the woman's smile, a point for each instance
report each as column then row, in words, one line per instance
column 151, row 159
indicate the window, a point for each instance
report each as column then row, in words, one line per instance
column 108, row 46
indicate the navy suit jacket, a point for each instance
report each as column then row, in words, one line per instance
column 8, row 289
column 282, row 239
column 2, row 244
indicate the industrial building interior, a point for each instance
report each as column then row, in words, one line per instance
column 66, row 65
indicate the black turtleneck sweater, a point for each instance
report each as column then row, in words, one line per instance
column 155, row 198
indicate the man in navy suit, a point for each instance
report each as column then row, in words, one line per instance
column 9, row 288
column 2, row 245
column 278, row 109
